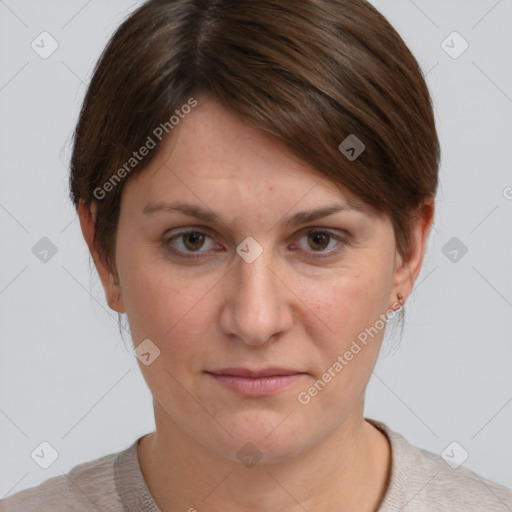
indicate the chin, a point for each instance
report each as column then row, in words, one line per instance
column 263, row 437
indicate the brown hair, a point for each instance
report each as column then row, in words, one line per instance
column 309, row 73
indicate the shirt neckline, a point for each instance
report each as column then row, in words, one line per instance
column 135, row 495
column 130, row 483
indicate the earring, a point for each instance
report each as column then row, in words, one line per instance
column 400, row 299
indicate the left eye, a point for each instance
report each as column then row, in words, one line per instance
column 319, row 241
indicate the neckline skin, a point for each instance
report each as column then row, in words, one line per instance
column 178, row 479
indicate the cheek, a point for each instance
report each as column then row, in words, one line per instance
column 348, row 348
column 340, row 318
column 344, row 306
column 170, row 308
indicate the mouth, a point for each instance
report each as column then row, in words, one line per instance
column 251, row 382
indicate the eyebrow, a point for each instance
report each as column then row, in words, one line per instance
column 197, row 212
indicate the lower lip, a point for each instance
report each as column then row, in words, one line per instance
column 257, row 386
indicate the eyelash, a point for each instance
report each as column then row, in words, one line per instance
column 197, row 254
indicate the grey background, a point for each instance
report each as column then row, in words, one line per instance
column 66, row 376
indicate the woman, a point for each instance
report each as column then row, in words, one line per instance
column 255, row 182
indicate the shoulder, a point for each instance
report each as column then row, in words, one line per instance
column 422, row 481
column 88, row 486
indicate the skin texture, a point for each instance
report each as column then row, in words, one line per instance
column 286, row 308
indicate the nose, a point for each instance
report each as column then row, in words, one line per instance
column 258, row 305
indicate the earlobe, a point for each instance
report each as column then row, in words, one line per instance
column 408, row 269
column 115, row 300
column 403, row 281
column 87, row 217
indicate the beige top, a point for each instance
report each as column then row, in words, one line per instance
column 420, row 481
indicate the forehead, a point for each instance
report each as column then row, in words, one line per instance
column 215, row 152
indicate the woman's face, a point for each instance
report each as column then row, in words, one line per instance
column 258, row 286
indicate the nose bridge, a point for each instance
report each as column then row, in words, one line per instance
column 257, row 308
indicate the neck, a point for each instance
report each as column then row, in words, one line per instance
column 349, row 470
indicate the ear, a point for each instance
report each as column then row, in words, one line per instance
column 87, row 216
column 408, row 269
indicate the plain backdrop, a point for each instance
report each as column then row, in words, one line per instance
column 67, row 377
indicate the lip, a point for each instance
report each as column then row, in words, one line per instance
column 262, row 382
column 240, row 371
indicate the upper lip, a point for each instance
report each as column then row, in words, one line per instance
column 247, row 372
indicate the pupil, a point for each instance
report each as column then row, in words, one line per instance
column 318, row 237
column 195, row 238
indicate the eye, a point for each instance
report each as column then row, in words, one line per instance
column 189, row 244
column 320, row 241
column 190, row 241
